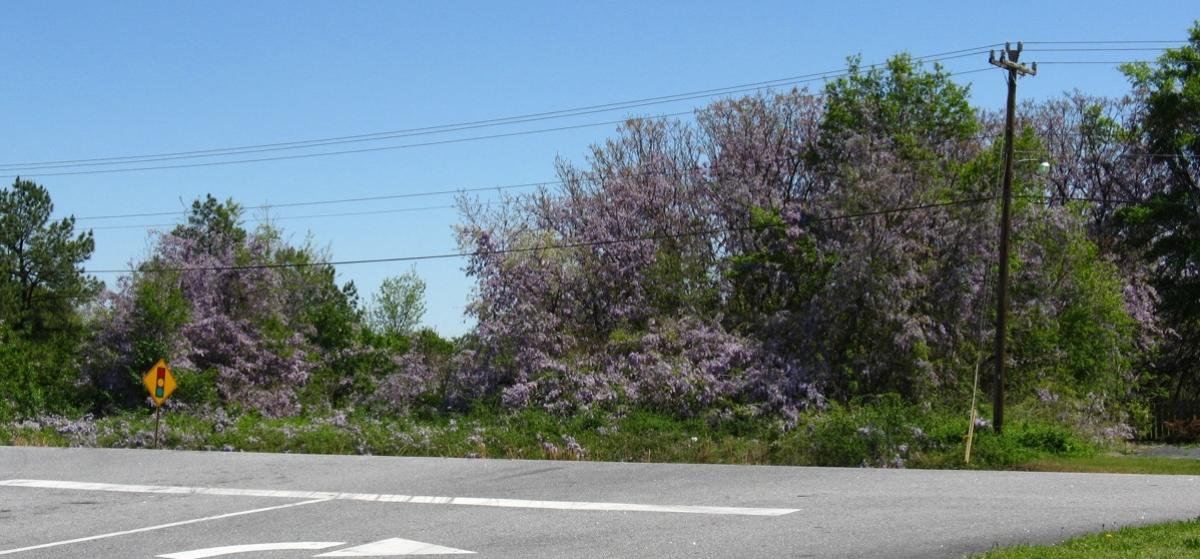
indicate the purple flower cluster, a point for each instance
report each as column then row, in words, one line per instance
column 410, row 377
column 199, row 303
column 752, row 259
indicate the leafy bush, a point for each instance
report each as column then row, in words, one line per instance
column 1049, row 439
column 886, row 432
column 36, row 378
column 877, row 432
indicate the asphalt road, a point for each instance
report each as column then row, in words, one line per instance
column 141, row 503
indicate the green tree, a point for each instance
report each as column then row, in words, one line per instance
column 42, row 288
column 43, row 282
column 913, row 111
column 1167, row 225
column 213, row 224
column 399, row 305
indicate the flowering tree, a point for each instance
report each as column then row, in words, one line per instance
column 212, row 299
column 783, row 250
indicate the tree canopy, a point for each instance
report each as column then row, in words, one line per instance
column 1166, row 226
column 43, row 259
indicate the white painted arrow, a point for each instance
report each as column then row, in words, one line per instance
column 393, row 547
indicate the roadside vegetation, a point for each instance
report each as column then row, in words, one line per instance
column 795, row 278
column 1114, row 464
column 1163, row 541
column 894, row 436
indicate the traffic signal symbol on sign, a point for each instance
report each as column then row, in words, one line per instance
column 159, row 381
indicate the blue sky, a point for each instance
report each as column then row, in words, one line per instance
column 86, row 80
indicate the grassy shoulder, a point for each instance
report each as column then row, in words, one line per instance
column 1109, row 464
column 884, row 433
column 1162, row 541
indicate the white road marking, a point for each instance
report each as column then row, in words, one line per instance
column 385, row 498
column 233, row 549
column 393, row 547
column 159, row 527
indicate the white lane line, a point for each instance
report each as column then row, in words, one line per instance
column 159, row 527
column 248, row 548
column 395, row 546
column 384, row 498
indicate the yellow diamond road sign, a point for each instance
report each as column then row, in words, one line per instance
column 159, row 382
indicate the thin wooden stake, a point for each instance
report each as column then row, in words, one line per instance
column 971, row 425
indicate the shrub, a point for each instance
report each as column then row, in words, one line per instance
column 876, row 432
column 35, row 378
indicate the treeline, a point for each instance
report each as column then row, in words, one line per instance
column 248, row 321
column 781, row 254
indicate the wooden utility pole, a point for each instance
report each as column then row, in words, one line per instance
column 1010, row 61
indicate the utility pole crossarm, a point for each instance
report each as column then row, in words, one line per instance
column 1010, row 60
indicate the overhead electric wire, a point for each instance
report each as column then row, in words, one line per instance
column 377, row 136
column 438, row 129
column 555, row 246
column 348, row 151
column 442, row 192
column 427, row 193
column 1119, row 42
column 385, row 197
column 465, row 190
column 287, row 217
column 381, row 148
column 113, row 161
column 1098, row 49
column 562, row 113
column 1041, row 62
column 336, row 200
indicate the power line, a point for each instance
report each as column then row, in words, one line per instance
column 348, row 151
column 555, row 246
column 1175, row 41
column 1115, row 62
column 387, row 148
column 442, row 192
column 633, row 103
column 335, row 201
column 1099, row 49
column 383, row 197
column 105, row 162
column 281, row 218
column 269, row 206
column 438, row 129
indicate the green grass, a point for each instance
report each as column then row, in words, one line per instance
column 1115, row 465
column 881, row 433
column 1162, row 541
column 877, row 432
column 45, row 436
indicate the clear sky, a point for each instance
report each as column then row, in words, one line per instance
column 86, row 80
